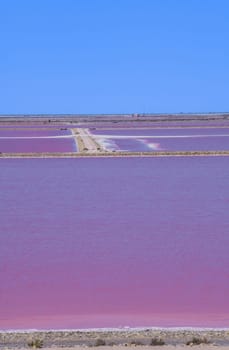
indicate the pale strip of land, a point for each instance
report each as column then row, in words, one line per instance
column 35, row 137
column 37, row 128
column 49, row 119
column 86, row 142
column 115, row 154
column 137, row 347
column 161, row 127
column 159, row 136
column 111, row 339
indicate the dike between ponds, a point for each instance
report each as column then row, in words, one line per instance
column 116, row 154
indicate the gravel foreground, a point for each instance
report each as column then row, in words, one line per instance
column 123, row 347
column 116, row 339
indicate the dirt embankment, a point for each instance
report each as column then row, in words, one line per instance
column 106, row 154
column 86, row 142
column 111, row 339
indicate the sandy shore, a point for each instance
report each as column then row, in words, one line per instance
column 123, row 347
column 117, row 338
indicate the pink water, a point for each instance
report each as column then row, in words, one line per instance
column 114, row 242
column 162, row 131
column 173, row 139
column 37, row 145
column 33, row 132
column 36, row 140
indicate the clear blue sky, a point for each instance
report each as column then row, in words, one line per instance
column 114, row 56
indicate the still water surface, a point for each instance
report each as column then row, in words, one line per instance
column 171, row 139
column 114, row 242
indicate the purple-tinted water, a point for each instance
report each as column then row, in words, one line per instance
column 37, row 145
column 124, row 144
column 187, row 144
column 144, row 132
column 43, row 126
column 33, row 132
column 36, row 140
column 114, row 242
column 143, row 140
column 156, row 124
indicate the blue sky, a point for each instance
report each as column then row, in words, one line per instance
column 114, row 56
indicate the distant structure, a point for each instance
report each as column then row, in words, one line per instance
column 135, row 115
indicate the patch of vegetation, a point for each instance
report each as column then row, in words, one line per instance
column 197, row 341
column 100, row 342
column 36, row 343
column 157, row 341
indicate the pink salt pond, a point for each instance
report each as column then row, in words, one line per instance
column 170, row 139
column 36, row 140
column 114, row 242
